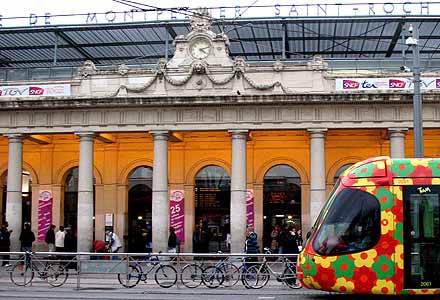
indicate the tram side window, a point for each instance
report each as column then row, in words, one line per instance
column 351, row 225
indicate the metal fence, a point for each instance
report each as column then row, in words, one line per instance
column 162, row 270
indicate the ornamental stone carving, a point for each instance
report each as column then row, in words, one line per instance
column 87, row 69
column 123, row 70
column 201, row 21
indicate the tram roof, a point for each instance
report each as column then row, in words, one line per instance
column 255, row 39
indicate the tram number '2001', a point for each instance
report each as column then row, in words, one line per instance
column 425, row 283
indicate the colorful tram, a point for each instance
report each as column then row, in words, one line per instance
column 379, row 232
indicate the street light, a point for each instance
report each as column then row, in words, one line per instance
column 413, row 42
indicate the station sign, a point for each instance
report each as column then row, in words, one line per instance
column 388, row 83
column 35, row 90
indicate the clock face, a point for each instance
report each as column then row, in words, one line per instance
column 200, row 48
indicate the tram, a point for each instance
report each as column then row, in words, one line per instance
column 379, row 232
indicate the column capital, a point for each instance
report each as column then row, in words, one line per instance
column 397, row 131
column 317, row 132
column 160, row 134
column 15, row 137
column 239, row 133
column 85, row 135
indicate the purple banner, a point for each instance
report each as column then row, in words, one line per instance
column 250, row 207
column 45, row 201
column 177, row 214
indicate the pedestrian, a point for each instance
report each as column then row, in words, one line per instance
column 50, row 238
column 288, row 242
column 251, row 246
column 69, row 246
column 5, row 243
column 27, row 237
column 172, row 241
column 274, row 236
column 59, row 239
column 113, row 241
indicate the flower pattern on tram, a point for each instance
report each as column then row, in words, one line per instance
column 435, row 167
column 309, row 267
column 364, row 259
column 398, row 256
column 343, row 285
column 387, row 221
column 326, row 277
column 401, row 168
column 344, row 267
column 384, row 267
column 387, row 244
column 398, row 233
column 384, row 286
column 365, row 279
column 325, row 261
column 385, row 197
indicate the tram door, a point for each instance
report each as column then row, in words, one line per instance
column 422, row 236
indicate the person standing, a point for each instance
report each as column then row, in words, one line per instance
column 172, row 241
column 27, row 237
column 59, row 239
column 251, row 246
column 69, row 243
column 113, row 241
column 5, row 243
column 50, row 238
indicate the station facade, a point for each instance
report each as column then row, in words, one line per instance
column 201, row 140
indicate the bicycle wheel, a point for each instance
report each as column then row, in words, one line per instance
column 213, row 277
column 290, row 279
column 165, row 276
column 55, row 274
column 232, row 274
column 21, row 274
column 255, row 278
column 131, row 278
column 191, row 275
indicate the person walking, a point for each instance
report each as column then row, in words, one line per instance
column 5, row 243
column 27, row 237
column 113, row 242
column 251, row 246
column 172, row 241
column 50, row 238
column 59, row 239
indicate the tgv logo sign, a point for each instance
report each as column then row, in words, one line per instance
column 35, row 90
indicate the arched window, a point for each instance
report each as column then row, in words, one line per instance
column 340, row 171
column 212, row 209
column 140, row 209
column 281, row 202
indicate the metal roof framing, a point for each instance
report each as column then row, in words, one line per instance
column 253, row 38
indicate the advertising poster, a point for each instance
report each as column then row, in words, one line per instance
column 177, row 214
column 389, row 83
column 250, row 207
column 35, row 90
column 45, row 201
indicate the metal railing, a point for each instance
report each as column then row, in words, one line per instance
column 164, row 270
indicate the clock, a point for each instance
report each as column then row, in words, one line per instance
column 200, row 48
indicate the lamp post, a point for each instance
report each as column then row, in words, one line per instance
column 413, row 42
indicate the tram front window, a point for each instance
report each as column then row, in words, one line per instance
column 351, row 225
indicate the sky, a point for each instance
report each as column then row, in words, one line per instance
column 29, row 10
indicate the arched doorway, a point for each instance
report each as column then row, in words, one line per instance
column 281, row 200
column 26, row 192
column 212, row 193
column 71, row 200
column 140, row 197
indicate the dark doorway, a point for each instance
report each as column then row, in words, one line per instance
column 140, row 210
column 212, row 210
column 281, row 202
column 26, row 213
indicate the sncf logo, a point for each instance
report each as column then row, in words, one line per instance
column 437, row 83
column 350, row 84
column 35, row 91
column 396, row 84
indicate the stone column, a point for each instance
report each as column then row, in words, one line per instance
column 397, row 142
column 85, row 192
column 317, row 172
column 14, row 202
column 160, row 204
column 238, row 190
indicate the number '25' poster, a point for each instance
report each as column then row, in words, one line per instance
column 177, row 213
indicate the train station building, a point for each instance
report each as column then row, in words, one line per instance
column 201, row 124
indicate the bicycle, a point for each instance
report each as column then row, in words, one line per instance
column 23, row 272
column 164, row 275
column 193, row 275
column 258, row 276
